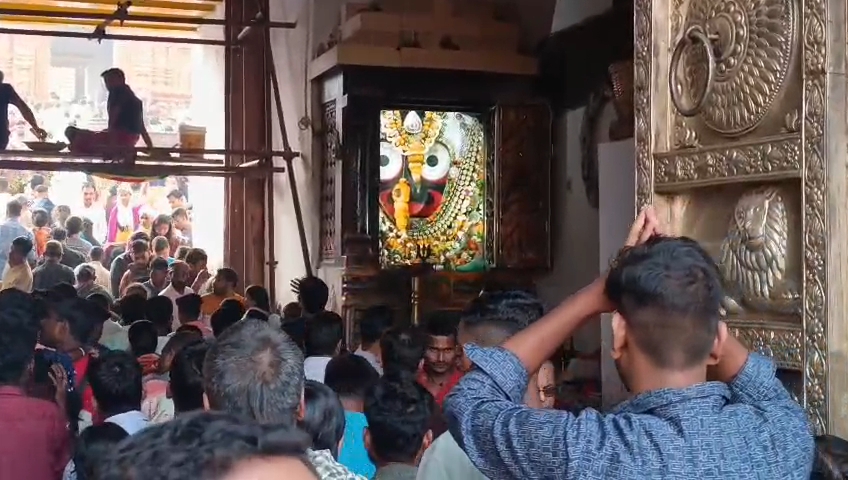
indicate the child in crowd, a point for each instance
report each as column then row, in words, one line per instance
column 40, row 231
column 324, row 417
column 93, row 444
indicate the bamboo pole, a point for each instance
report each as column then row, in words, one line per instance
column 109, row 36
column 258, row 23
column 145, row 169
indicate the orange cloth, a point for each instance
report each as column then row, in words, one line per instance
column 211, row 302
column 149, row 363
column 42, row 236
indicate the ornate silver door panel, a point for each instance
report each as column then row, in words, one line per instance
column 741, row 142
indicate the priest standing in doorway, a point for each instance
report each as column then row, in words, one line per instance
column 126, row 123
column 8, row 96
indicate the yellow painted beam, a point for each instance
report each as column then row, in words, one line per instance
column 179, row 5
column 35, row 21
column 170, row 15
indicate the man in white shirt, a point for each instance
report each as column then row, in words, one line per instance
column 102, row 276
column 93, row 211
column 115, row 378
column 323, row 341
column 375, row 321
column 177, row 288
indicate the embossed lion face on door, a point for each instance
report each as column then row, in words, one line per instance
column 756, row 215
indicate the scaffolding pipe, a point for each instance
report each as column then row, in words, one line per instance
column 131, row 38
column 145, row 18
column 288, row 154
column 249, row 28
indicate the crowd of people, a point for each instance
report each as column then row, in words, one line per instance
column 182, row 377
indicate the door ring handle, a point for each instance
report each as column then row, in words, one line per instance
column 695, row 35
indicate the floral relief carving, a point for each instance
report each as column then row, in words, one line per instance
column 784, row 345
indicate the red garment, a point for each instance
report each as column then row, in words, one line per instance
column 35, row 444
column 149, row 364
column 446, row 388
column 81, row 369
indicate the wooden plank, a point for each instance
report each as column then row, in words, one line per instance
column 140, row 5
column 167, row 14
column 35, row 21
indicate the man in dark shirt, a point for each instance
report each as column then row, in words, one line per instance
column 51, row 272
column 8, row 96
column 126, row 123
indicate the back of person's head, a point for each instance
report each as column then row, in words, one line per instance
column 40, row 218
column 136, row 289
column 350, row 376
column 195, row 256
column 667, row 292
column 161, row 244
column 64, row 291
column 140, row 247
column 92, row 446
column 375, row 321
column 292, row 310
column 19, row 327
column 159, row 265
column 495, row 316
column 189, row 307
column 132, row 308
column 14, row 209
column 101, row 300
column 53, row 249
column 227, row 275
column 313, row 295
column 402, row 349
column 324, row 334
column 160, row 311
column 209, row 446
column 115, row 378
column 143, row 338
column 258, row 295
column 255, row 370
column 399, row 411
column 73, row 225
column 234, row 306
column 224, row 318
column 831, row 458
column 323, row 418
column 193, row 329
column 85, row 273
column 139, row 235
column 59, row 234
column 182, row 252
column 186, row 378
column 96, row 254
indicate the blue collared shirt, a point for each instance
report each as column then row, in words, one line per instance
column 9, row 231
column 749, row 429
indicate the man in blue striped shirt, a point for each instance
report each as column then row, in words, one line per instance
column 703, row 407
column 12, row 229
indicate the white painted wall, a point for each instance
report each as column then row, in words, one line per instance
column 575, row 223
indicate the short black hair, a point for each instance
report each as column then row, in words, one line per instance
column 313, row 294
column 323, row 334
column 669, row 292
column 23, row 245
column 179, row 212
column 494, row 316
column 160, row 311
column 207, row 445
column 374, row 322
column 36, row 180
column 196, row 255
column 255, row 370
column 323, row 418
column 186, row 380
column 96, row 253
column 101, row 300
column 179, row 340
column 93, row 444
column 442, row 323
column 64, row 290
column 85, row 273
column 143, row 338
column 159, row 265
column 132, row 308
column 139, row 246
column 398, row 410
column 190, row 305
column 402, row 349
column 350, row 376
column 139, row 235
column 224, row 318
column 187, row 328
column 73, row 225
column 59, row 234
column 82, row 316
column 14, row 208
column 228, row 275
column 40, row 218
column 115, row 378
column 831, row 461
column 114, row 72
column 259, row 296
column 161, row 244
column 20, row 326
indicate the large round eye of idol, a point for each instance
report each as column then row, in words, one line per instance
column 391, row 161
column 436, row 163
